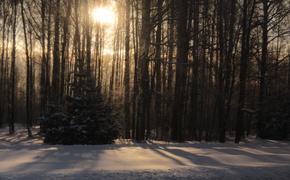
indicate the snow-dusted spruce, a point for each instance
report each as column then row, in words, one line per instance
column 86, row 119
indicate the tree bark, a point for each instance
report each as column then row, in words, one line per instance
column 127, row 71
column 13, row 71
column 143, row 72
column 28, row 76
column 262, row 85
column 181, row 63
column 248, row 11
column 56, row 58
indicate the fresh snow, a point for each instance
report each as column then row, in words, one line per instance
column 29, row 159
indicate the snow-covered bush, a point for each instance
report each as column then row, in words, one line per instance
column 85, row 119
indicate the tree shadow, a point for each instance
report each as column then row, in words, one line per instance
column 259, row 155
column 54, row 159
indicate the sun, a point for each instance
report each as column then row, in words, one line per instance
column 104, row 15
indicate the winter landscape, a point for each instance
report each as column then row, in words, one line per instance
column 27, row 159
column 144, row 89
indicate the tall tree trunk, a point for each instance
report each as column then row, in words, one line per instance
column 195, row 73
column 13, row 71
column 65, row 43
column 158, row 67
column 248, row 11
column 48, row 53
column 181, row 63
column 136, row 62
column 263, row 65
column 230, row 57
column 127, row 72
column 28, row 76
column 143, row 70
column 56, row 58
column 169, row 88
column 2, row 68
column 221, row 85
column 88, row 37
column 43, row 88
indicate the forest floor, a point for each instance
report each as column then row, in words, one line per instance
column 29, row 159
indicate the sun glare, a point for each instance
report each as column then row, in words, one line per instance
column 104, row 15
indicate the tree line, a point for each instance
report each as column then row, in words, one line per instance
column 180, row 69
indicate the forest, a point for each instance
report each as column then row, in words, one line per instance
column 144, row 89
column 172, row 70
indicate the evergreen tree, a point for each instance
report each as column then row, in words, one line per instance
column 86, row 119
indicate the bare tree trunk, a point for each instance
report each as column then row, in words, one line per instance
column 136, row 60
column 65, row 42
column 127, row 72
column 28, row 76
column 48, row 53
column 182, row 60
column 88, row 37
column 248, row 11
column 158, row 67
column 230, row 57
column 143, row 76
column 56, row 58
column 221, row 85
column 13, row 72
column 6, row 83
column 204, row 89
column 2, row 72
column 195, row 72
column 262, row 85
column 43, row 88
column 169, row 88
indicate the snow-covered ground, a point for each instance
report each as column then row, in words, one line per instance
column 29, row 159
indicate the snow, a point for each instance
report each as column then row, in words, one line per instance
column 29, row 159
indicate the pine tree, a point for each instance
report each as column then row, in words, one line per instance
column 86, row 118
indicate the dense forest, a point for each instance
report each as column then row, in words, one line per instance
column 147, row 69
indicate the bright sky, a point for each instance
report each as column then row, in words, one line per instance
column 104, row 15
column 107, row 17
